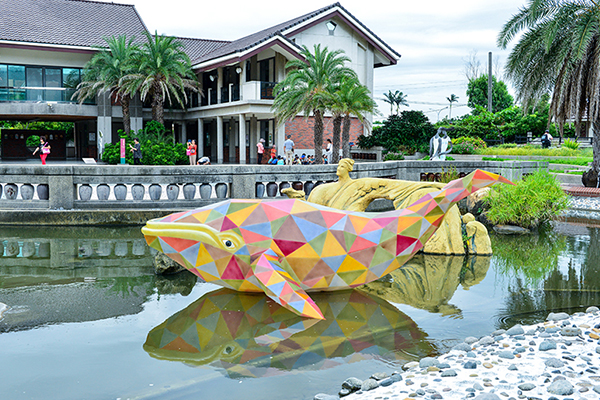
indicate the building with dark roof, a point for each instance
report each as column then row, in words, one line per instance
column 44, row 45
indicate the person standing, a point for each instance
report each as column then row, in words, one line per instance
column 260, row 148
column 329, row 151
column 193, row 152
column 43, row 148
column 288, row 146
column 136, row 149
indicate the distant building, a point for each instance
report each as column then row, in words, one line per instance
column 44, row 44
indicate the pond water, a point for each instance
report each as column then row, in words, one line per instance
column 88, row 319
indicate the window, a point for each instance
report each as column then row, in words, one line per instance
column 3, row 75
column 331, row 27
column 34, row 79
column 16, row 76
column 53, row 79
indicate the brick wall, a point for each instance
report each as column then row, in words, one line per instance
column 302, row 130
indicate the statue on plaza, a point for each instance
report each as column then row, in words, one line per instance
column 286, row 248
column 439, row 146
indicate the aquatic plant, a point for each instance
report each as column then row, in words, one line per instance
column 531, row 201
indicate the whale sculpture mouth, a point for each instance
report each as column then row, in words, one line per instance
column 188, row 231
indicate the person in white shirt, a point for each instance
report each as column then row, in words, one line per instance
column 288, row 146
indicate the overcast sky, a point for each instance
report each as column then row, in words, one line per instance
column 434, row 37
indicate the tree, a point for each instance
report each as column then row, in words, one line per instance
column 307, row 88
column 558, row 51
column 452, row 99
column 477, row 92
column 395, row 99
column 164, row 72
column 408, row 132
column 350, row 98
column 105, row 71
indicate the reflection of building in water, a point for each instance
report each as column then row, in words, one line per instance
column 251, row 335
column 72, row 251
column 428, row 282
column 58, row 275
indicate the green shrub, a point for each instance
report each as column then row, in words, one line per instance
column 394, row 156
column 571, row 144
column 467, row 145
column 156, row 145
column 32, row 141
column 507, row 146
column 531, row 201
column 448, row 175
column 408, row 132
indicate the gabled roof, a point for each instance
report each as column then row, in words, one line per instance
column 196, row 48
column 287, row 29
column 62, row 23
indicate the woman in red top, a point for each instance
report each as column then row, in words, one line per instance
column 43, row 148
column 193, row 151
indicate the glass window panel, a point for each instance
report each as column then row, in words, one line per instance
column 34, row 80
column 34, row 77
column 71, row 77
column 16, row 76
column 53, row 77
column 3, row 75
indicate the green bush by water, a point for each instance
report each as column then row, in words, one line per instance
column 156, row 144
column 531, row 201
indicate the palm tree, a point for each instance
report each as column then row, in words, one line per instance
column 164, row 72
column 390, row 98
column 452, row 99
column 104, row 72
column 558, row 52
column 308, row 86
column 400, row 101
column 397, row 99
column 352, row 98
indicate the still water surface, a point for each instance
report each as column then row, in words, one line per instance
column 88, row 319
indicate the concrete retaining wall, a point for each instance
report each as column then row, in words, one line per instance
column 25, row 189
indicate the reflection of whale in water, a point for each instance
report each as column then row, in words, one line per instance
column 250, row 335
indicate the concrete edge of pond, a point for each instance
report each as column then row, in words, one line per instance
column 80, row 217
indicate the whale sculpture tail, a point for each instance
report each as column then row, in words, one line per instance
column 424, row 216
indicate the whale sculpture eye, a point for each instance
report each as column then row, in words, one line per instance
column 228, row 243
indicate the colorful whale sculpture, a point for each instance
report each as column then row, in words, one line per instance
column 286, row 248
column 249, row 335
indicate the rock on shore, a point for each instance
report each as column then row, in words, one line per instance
column 557, row 359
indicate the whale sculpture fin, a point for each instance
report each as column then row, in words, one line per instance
column 280, row 286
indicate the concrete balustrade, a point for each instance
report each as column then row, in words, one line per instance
column 107, row 187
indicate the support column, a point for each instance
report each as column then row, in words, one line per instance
column 219, row 83
column 280, row 138
column 220, row 140
column 200, row 137
column 242, row 123
column 183, row 132
column 253, row 141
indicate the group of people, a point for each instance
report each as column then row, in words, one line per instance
column 192, row 152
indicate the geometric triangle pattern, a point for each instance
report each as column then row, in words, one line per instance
column 288, row 247
column 252, row 336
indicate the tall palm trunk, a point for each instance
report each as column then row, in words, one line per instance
column 125, row 102
column 158, row 105
column 335, row 151
column 318, row 136
column 596, row 146
column 346, row 136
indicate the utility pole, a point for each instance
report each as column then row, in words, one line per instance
column 490, row 81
